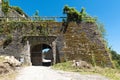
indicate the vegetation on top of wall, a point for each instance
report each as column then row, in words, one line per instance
column 36, row 16
column 102, row 30
column 38, row 29
column 18, row 9
column 5, row 6
column 76, row 16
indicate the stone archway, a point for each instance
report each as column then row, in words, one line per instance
column 32, row 52
column 38, row 57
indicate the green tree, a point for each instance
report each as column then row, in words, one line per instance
column 5, row 6
column 36, row 16
column 18, row 9
column 76, row 16
column 115, row 58
column 83, row 13
column 72, row 14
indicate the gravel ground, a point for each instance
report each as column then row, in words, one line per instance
column 46, row 73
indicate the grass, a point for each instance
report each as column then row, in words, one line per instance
column 112, row 74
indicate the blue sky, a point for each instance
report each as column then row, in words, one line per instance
column 107, row 11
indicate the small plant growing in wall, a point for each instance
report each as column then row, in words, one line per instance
column 1, row 30
column 43, row 29
column 93, row 60
column 7, row 41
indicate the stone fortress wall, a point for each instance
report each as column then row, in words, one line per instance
column 77, row 41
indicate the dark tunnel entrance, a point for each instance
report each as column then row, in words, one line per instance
column 41, row 55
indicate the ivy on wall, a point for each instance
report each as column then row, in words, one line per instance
column 7, row 41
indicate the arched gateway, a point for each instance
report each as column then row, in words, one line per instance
column 35, row 47
column 38, row 57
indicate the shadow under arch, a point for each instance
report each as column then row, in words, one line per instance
column 40, row 58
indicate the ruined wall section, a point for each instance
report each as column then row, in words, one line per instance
column 13, row 35
column 83, row 41
column 80, row 41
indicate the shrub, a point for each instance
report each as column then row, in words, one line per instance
column 116, row 58
column 5, row 6
column 7, row 41
column 18, row 9
column 76, row 16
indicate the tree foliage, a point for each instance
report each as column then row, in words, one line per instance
column 5, row 6
column 18, row 9
column 116, row 58
column 36, row 16
column 76, row 16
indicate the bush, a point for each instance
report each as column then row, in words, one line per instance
column 115, row 58
column 76, row 16
column 7, row 41
column 5, row 6
column 18, row 9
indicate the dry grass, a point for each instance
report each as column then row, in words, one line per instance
column 8, row 76
column 112, row 74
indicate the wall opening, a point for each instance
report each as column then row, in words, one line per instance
column 41, row 55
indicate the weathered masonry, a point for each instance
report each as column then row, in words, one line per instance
column 26, row 40
column 34, row 47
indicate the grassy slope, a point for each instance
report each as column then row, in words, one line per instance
column 113, row 74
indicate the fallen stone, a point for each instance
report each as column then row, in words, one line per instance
column 81, row 64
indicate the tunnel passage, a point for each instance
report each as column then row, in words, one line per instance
column 41, row 55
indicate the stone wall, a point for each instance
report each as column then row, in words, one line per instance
column 78, row 41
column 83, row 41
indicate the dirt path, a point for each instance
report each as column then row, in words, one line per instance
column 46, row 73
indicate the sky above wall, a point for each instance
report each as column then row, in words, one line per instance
column 107, row 11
